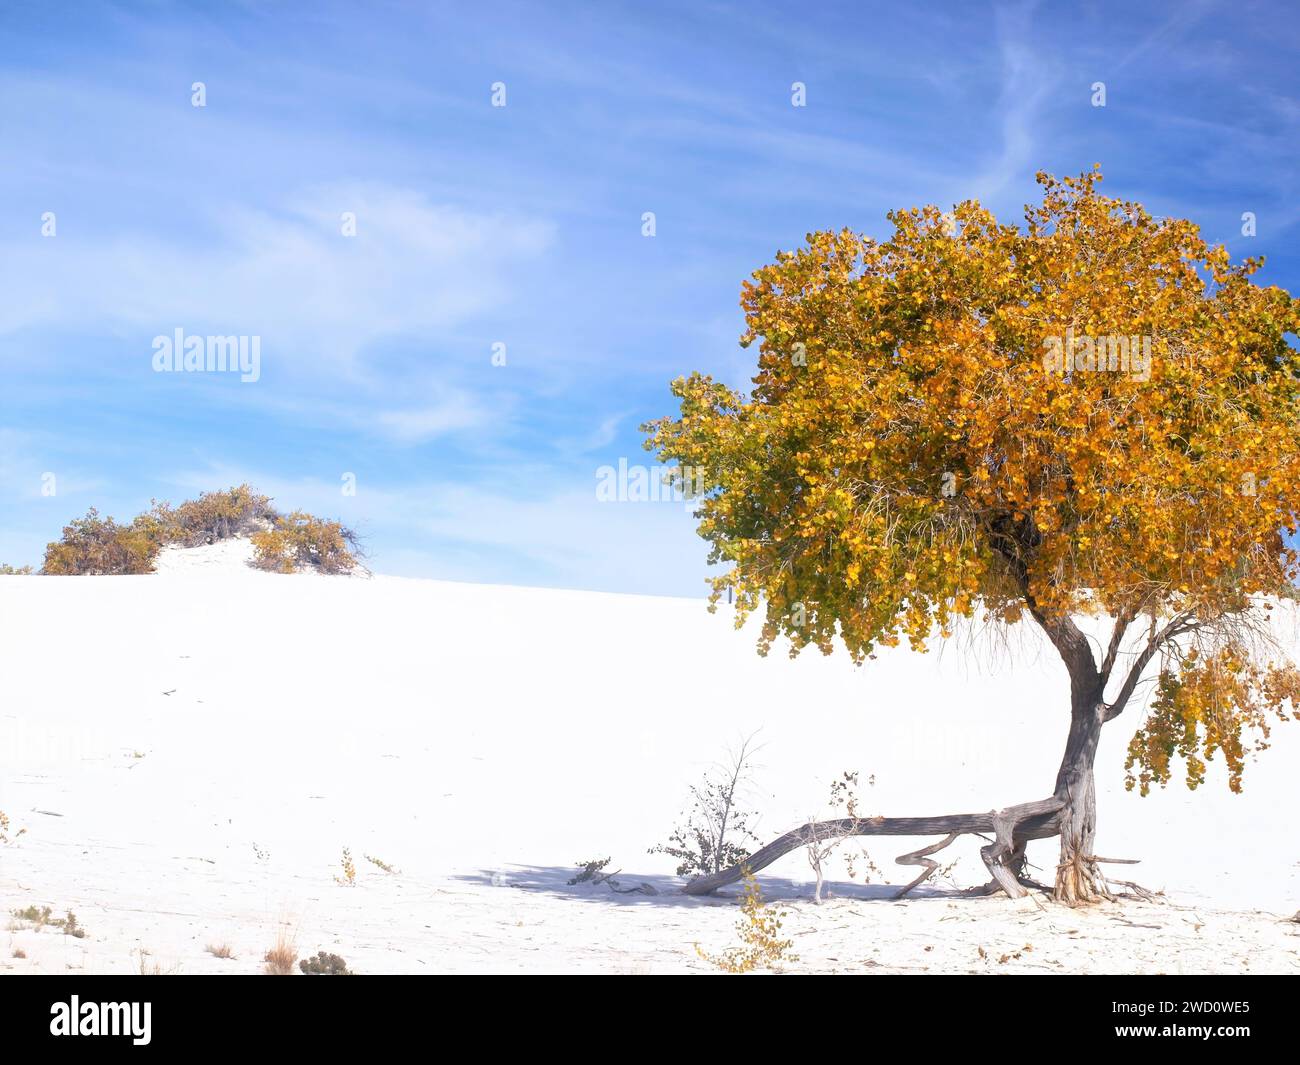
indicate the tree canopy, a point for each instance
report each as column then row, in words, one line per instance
column 1093, row 413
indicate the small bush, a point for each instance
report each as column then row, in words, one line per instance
column 38, row 917
column 220, row 950
column 19, row 952
column 299, row 541
column 325, row 965
column 94, row 545
column 759, row 928
column 716, row 831
column 217, row 516
column 349, row 877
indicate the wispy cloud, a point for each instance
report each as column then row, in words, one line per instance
column 290, row 275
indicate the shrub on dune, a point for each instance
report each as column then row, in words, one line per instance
column 300, row 541
column 95, row 545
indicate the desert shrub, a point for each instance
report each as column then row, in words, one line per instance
column 95, row 545
column 216, row 516
column 759, row 929
column 38, row 916
column 298, row 541
column 715, row 832
column 325, row 965
column 7, row 570
column 220, row 950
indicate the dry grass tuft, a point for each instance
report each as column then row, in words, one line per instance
column 280, row 958
column 220, row 950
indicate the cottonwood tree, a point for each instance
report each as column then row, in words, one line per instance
column 945, row 425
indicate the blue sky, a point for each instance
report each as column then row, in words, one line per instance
column 522, row 225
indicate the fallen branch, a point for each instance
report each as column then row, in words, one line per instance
column 1026, row 821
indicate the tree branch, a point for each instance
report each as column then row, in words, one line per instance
column 1122, row 622
column 1179, row 624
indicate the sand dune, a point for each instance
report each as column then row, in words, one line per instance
column 189, row 760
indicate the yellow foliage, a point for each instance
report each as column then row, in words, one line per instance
column 828, row 484
column 299, row 540
column 933, row 453
column 759, row 928
column 1209, row 707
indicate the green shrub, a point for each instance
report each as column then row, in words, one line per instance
column 325, row 965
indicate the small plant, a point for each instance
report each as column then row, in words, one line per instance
column 589, row 871
column 38, row 917
column 759, row 928
column 349, row 877
column 280, row 958
column 325, row 965
column 823, row 840
column 148, row 968
column 220, row 950
column 716, row 831
column 70, row 926
column 4, row 828
column 379, row 863
column 261, row 855
column 19, row 952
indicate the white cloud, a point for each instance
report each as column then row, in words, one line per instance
column 289, row 275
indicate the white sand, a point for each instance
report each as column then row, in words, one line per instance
column 190, row 757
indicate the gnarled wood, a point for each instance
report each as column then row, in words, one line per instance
column 1033, row 820
column 918, row 857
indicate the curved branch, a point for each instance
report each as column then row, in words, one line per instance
column 1177, row 626
column 1032, row 820
column 920, row 857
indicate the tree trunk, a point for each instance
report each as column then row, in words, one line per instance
column 1077, row 876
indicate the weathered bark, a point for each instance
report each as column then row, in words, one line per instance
column 1077, row 877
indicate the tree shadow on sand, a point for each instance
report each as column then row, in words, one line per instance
column 656, row 889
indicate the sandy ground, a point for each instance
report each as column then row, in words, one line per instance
column 188, row 754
